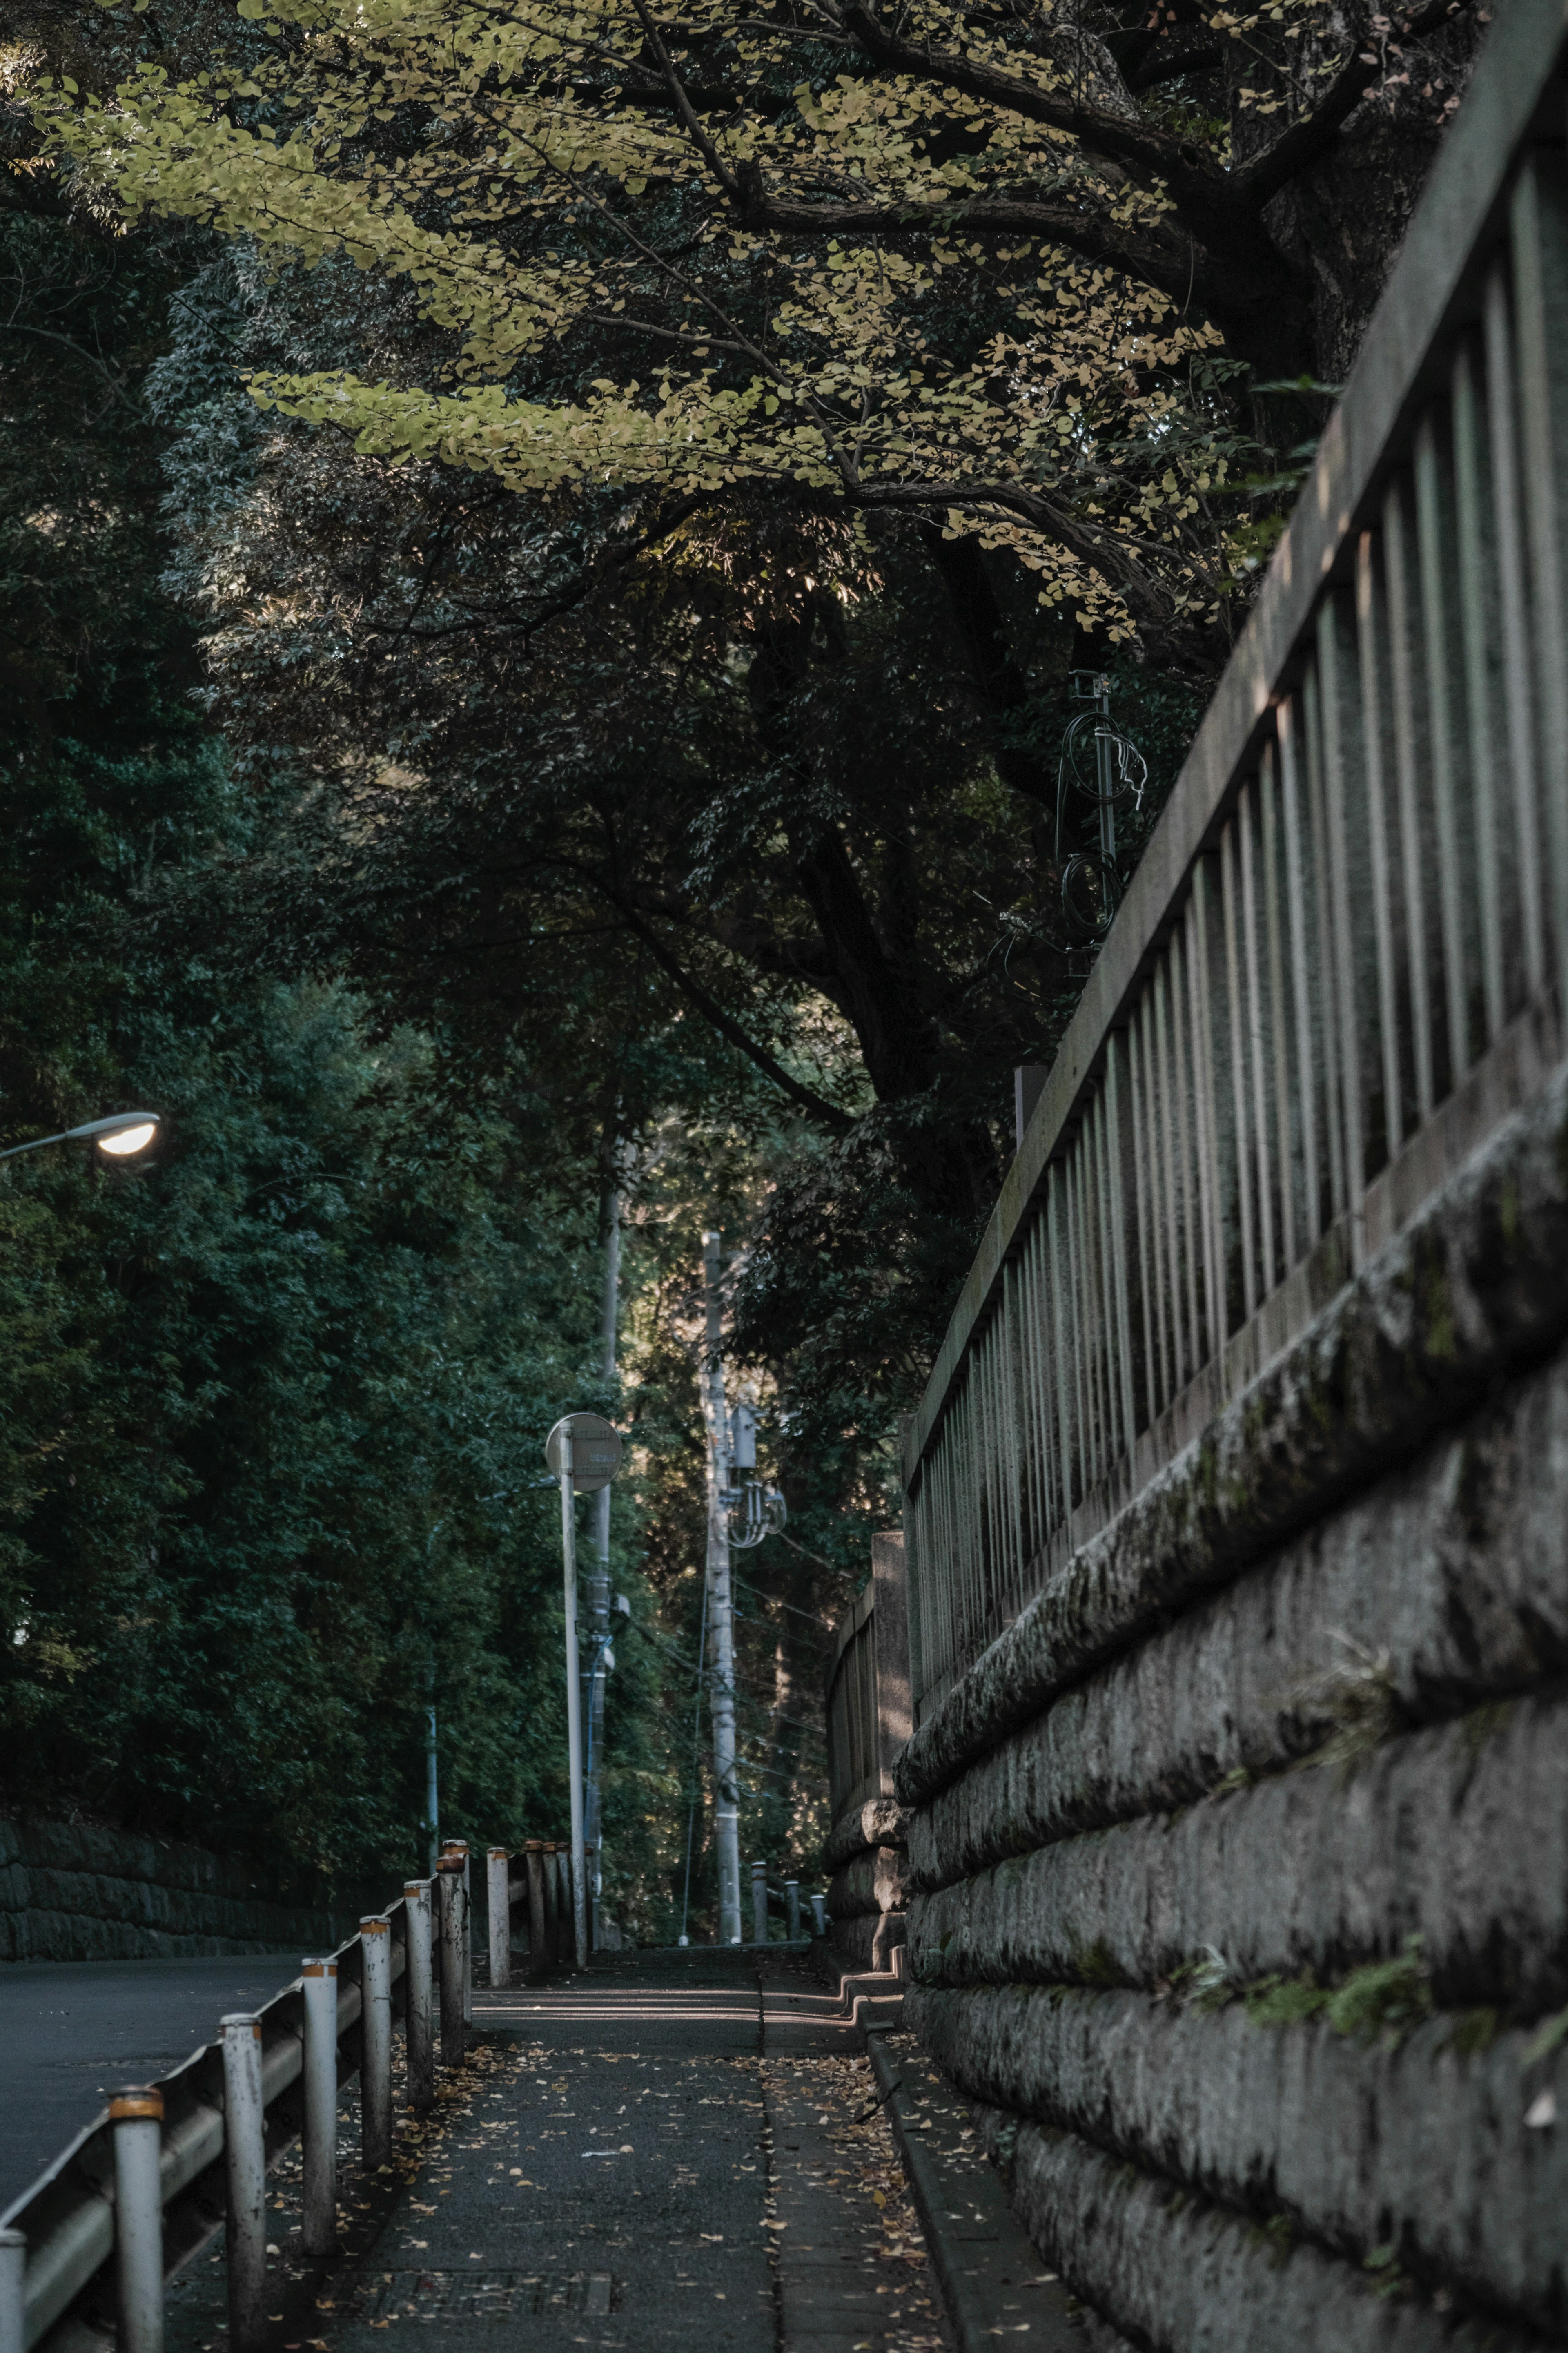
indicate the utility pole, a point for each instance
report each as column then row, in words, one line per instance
column 599, row 1582
column 720, row 1607
column 574, row 1696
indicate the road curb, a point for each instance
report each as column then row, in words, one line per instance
column 992, row 2281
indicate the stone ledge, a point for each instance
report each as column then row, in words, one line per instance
column 1174, row 2271
column 1440, row 1833
column 1475, row 1287
column 1454, row 1571
column 875, row 1882
column 1418, row 2144
column 881, row 1822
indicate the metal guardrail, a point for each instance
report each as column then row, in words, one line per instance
column 67, row 2242
column 1338, row 965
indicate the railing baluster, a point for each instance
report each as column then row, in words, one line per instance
column 1246, row 820
column 1200, row 1038
column 1144, row 1179
column 1372, row 655
column 1508, row 518
column 1432, row 499
column 1227, row 864
column 1279, row 1033
column 1118, row 1083
column 1477, row 549
column 1539, row 226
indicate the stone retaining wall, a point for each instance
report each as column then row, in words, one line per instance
column 1239, row 1864
column 81, row 1891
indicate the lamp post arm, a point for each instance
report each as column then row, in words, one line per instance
column 116, row 1125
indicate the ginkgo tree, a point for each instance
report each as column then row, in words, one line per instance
column 989, row 265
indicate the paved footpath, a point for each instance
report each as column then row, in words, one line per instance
column 692, row 2153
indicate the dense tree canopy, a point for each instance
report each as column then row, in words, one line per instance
column 546, row 556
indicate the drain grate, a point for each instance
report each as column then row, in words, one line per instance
column 469, row 2295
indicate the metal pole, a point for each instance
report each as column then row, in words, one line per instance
column 13, row 2291
column 759, row 1902
column 721, row 1690
column 792, row 1908
column 573, row 1698
column 449, row 1951
column 538, row 1956
column 319, row 2219
column 244, row 2166
column 599, row 1583
column 418, row 2047
column 819, row 1915
column 497, row 1891
column 376, row 2042
column 137, row 2116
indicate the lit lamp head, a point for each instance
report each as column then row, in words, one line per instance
column 131, row 1132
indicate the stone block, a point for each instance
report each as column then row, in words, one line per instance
column 1421, row 2143
column 1450, row 1580
column 1455, row 1834
column 1176, row 2272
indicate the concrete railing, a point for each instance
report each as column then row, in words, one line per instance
column 1337, row 969
column 85, row 2252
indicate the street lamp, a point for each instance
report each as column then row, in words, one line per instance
column 125, row 1132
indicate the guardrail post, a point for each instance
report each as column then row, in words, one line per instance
column 536, row 1941
column 320, row 2215
column 137, row 2116
column 499, row 1893
column 792, row 1900
column 551, row 1891
column 457, row 1850
column 418, row 2046
column 375, row 2042
column 13, row 2283
column 244, row 2168
column 449, row 1952
column 759, row 1902
column 565, row 1910
column 818, row 1915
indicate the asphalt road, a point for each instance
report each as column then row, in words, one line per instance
column 72, row 2031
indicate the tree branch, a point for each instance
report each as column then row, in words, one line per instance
column 1256, row 308
column 1205, row 194
column 1296, row 150
column 816, row 1106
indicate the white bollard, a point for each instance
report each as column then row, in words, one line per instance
column 819, row 1915
column 13, row 2291
column 376, row 2042
column 759, row 1902
column 137, row 2117
column 419, row 2046
column 245, row 2167
column 449, row 1957
column 498, row 1889
column 319, row 2219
